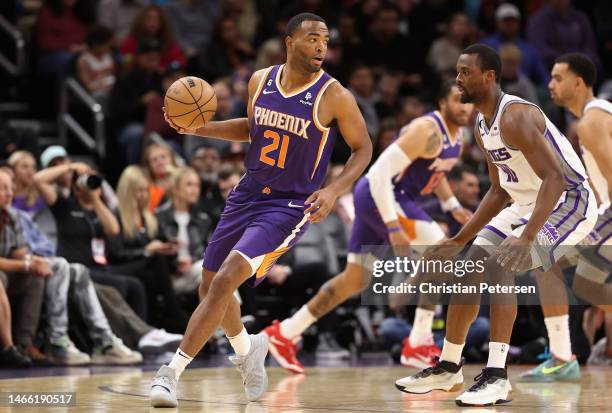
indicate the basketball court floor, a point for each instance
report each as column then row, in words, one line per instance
column 346, row 387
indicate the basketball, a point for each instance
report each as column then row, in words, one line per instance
column 190, row 102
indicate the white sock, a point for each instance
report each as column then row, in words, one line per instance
column 298, row 323
column 497, row 354
column 421, row 334
column 179, row 362
column 559, row 336
column 241, row 343
column 451, row 352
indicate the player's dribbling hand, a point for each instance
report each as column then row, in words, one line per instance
column 461, row 215
column 444, row 250
column 177, row 128
column 321, row 203
column 513, row 253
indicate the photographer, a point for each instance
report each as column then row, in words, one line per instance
column 83, row 223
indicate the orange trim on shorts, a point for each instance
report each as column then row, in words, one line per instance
column 269, row 260
column 408, row 225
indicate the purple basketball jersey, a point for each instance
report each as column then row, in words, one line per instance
column 290, row 149
column 423, row 175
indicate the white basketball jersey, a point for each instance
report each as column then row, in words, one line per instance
column 597, row 179
column 516, row 176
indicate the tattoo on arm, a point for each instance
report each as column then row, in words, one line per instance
column 433, row 143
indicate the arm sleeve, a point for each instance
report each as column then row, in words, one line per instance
column 391, row 162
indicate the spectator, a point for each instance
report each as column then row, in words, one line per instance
column 61, row 31
column 445, row 51
column 243, row 12
column 181, row 222
column 206, row 161
column 10, row 356
column 118, row 16
column 513, row 81
column 22, row 275
column 347, row 38
column 559, row 28
column 108, row 348
column 387, row 48
column 193, row 21
column 412, row 108
column 83, row 224
column 138, row 250
column 508, row 23
column 154, row 118
column 387, row 102
column 158, row 163
column 226, row 53
column 464, row 184
column 26, row 196
column 131, row 95
column 95, row 66
column 386, row 135
column 361, row 84
column 153, row 23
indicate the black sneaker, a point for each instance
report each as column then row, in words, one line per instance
column 11, row 357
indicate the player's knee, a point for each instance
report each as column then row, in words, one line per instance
column 234, row 271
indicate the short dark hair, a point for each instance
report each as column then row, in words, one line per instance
column 581, row 65
column 456, row 174
column 487, row 58
column 445, row 89
column 98, row 35
column 296, row 21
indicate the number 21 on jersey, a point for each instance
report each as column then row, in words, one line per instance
column 273, row 146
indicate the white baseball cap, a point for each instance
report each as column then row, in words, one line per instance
column 506, row 11
column 51, row 153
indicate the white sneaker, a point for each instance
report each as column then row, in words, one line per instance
column 444, row 375
column 492, row 387
column 252, row 367
column 163, row 388
column 115, row 353
column 64, row 352
column 159, row 341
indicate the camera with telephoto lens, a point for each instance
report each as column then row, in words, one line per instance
column 89, row 182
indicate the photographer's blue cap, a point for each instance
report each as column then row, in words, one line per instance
column 51, row 153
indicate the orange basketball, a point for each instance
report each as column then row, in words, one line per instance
column 190, row 102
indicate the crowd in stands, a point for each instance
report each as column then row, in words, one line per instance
column 100, row 261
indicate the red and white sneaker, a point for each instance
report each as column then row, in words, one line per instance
column 282, row 349
column 420, row 357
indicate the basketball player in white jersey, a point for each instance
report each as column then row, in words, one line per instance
column 571, row 86
column 533, row 167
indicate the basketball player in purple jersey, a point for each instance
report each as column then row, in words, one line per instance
column 294, row 113
column 534, row 166
column 387, row 211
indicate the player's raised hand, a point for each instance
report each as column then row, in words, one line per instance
column 321, row 203
column 444, row 250
column 177, row 128
column 461, row 215
column 514, row 253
